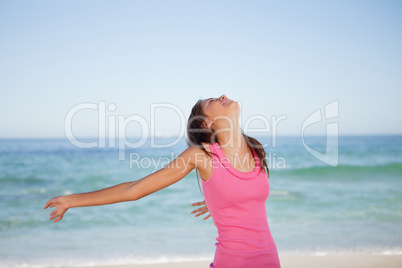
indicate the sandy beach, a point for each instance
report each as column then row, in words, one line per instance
column 329, row 261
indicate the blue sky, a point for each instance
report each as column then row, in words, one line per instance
column 278, row 58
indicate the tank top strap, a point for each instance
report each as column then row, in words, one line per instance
column 214, row 147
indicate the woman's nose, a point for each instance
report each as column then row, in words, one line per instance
column 222, row 97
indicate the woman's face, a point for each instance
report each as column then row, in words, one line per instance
column 218, row 107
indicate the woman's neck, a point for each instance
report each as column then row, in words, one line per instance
column 232, row 140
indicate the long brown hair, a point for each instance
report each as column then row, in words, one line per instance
column 196, row 134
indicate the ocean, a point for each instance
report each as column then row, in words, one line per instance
column 313, row 208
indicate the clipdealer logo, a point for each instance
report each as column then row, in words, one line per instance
column 112, row 126
column 331, row 154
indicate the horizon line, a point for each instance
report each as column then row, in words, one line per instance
column 185, row 136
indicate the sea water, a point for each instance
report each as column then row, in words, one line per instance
column 313, row 208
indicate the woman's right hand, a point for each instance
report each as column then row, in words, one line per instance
column 60, row 205
column 201, row 210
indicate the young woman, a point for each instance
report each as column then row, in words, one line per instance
column 235, row 183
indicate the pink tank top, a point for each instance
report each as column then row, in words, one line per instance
column 236, row 202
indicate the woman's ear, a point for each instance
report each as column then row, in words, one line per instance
column 206, row 124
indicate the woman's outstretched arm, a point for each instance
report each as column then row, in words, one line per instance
column 177, row 169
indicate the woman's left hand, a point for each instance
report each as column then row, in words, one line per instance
column 61, row 208
column 201, row 210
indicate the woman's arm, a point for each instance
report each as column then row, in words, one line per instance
column 177, row 169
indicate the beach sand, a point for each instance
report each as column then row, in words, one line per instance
column 295, row 261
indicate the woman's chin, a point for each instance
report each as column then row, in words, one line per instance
column 235, row 106
column 231, row 102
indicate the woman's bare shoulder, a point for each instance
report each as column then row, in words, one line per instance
column 196, row 154
column 198, row 150
column 206, row 146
